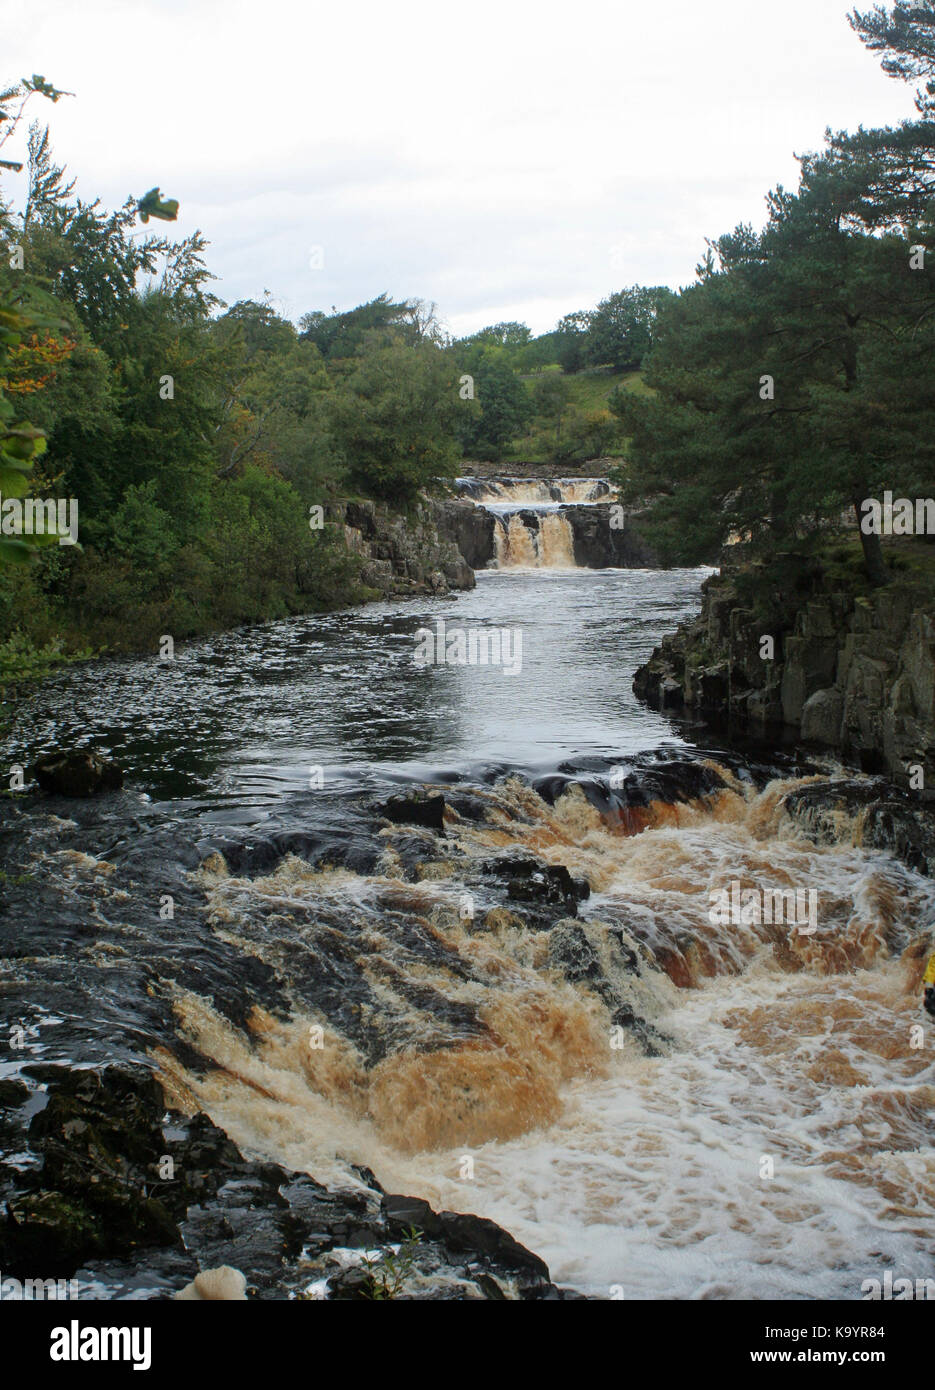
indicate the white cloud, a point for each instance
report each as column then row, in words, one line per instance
column 503, row 159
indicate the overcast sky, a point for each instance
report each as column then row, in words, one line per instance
column 503, row 158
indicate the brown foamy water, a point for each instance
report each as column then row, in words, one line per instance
column 779, row 1145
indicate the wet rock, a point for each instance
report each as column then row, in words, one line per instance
column 600, row 958
column 99, row 1143
column 80, row 773
column 468, row 805
column 544, row 890
column 418, row 808
column 572, row 953
column 463, row 1233
column 13, row 1094
column 531, row 882
column 881, row 816
column 500, row 919
column 135, row 1197
column 669, row 782
column 354, row 1284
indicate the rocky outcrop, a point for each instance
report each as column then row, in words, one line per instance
column 469, row 528
column 403, row 555
column 82, row 772
column 121, row 1194
column 850, row 673
column 599, row 544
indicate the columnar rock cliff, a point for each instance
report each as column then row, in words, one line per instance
column 404, row 554
column 851, row 673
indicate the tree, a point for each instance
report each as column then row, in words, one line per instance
column 276, row 401
column 538, row 353
column 506, row 335
column 905, row 37
column 571, row 338
column 620, row 330
column 885, row 178
column 790, row 381
column 25, row 313
column 47, row 187
column 341, row 335
column 393, row 419
column 786, row 385
column 504, row 406
column 551, row 397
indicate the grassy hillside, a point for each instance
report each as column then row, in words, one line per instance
column 581, row 426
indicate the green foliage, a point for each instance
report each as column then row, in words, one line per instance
column 343, row 335
column 193, row 445
column 503, row 405
column 388, row 1272
column 393, row 421
column 905, row 37
column 277, row 402
column 620, row 331
column 21, row 661
column 789, row 380
column 25, row 312
column 571, row 339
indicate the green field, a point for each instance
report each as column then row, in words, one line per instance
column 589, row 392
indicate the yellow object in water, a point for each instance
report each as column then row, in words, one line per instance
column 929, row 977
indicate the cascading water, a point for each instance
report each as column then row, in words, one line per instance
column 547, row 544
column 752, row 1042
column 531, row 530
column 654, row 1098
column 527, row 491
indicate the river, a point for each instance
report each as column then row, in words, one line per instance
column 759, row 1125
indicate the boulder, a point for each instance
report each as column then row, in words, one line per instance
column 821, row 717
column 418, row 808
column 221, row 1285
column 79, row 773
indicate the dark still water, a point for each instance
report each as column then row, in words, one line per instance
column 239, row 718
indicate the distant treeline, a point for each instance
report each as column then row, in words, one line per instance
column 792, row 381
column 200, row 441
column 795, row 381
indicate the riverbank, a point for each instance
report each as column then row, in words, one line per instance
column 361, row 551
column 808, row 652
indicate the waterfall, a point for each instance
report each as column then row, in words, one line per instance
column 736, row 1034
column 543, row 523
column 550, row 545
column 556, row 542
column 536, row 490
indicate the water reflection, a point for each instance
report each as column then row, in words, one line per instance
column 242, row 716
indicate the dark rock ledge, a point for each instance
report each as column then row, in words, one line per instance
column 851, row 674
column 125, row 1197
